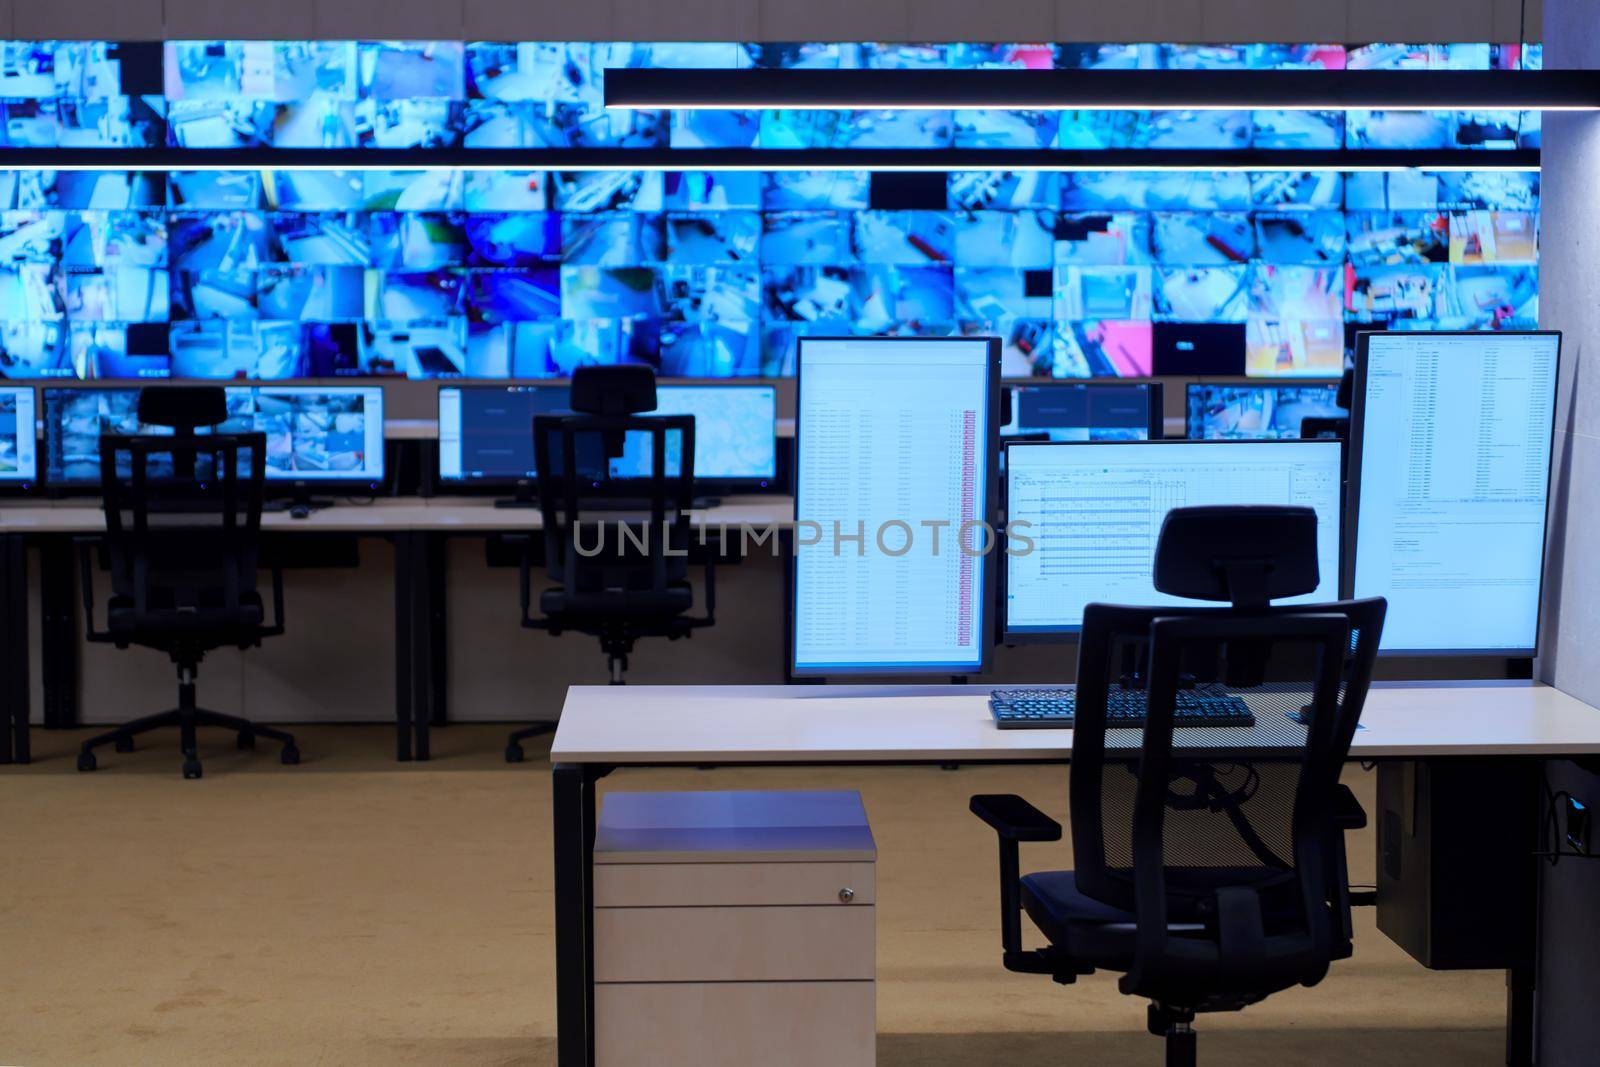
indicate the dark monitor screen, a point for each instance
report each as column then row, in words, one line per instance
column 1255, row 412
column 1077, row 411
column 324, row 434
column 486, row 432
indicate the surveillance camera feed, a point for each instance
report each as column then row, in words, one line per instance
column 314, row 433
column 1251, row 412
column 466, row 271
column 18, row 458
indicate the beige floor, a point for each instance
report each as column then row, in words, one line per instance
column 356, row 911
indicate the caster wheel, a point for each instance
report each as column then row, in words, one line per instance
column 124, row 744
column 246, row 740
column 191, row 768
column 289, row 756
column 513, row 753
column 86, row 761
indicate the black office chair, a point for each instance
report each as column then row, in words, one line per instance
column 1314, row 427
column 618, row 579
column 183, row 526
column 1209, row 863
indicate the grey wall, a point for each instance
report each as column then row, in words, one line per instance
column 1330, row 21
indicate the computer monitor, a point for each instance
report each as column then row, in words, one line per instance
column 486, row 434
column 1253, row 412
column 328, row 436
column 896, row 450
column 19, row 459
column 1084, row 411
column 1082, row 519
column 1447, row 513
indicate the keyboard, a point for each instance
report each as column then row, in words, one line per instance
column 1043, row 709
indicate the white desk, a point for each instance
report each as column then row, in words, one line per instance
column 603, row 727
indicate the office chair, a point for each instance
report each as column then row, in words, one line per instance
column 183, row 526
column 616, row 579
column 1209, row 863
column 1313, row 427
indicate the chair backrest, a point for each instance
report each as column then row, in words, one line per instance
column 1231, row 833
column 183, row 519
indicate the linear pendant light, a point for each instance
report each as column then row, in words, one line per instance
column 1105, row 90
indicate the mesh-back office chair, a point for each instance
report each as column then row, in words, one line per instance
column 183, row 526
column 618, row 579
column 1209, row 863
column 1337, row 428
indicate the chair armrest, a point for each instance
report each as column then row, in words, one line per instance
column 711, row 579
column 1014, row 819
column 86, row 546
column 276, row 570
column 1347, row 811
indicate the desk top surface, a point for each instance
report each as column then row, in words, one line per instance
column 855, row 724
column 390, row 514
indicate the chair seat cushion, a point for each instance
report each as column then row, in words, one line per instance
column 675, row 599
column 1084, row 928
column 122, row 618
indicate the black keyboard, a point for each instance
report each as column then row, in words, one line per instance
column 1043, row 709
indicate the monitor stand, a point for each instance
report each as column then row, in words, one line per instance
column 699, row 503
column 300, row 502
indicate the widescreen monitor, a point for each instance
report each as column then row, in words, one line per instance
column 19, row 460
column 325, row 435
column 1450, row 448
column 1080, row 411
column 1082, row 520
column 1252, row 412
column 486, row 433
column 896, row 450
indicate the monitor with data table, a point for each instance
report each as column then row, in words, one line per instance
column 1217, row 412
column 331, row 436
column 486, row 433
column 1450, row 450
column 19, row 461
column 896, row 450
column 1084, row 411
column 1082, row 520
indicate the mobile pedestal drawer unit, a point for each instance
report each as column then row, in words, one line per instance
column 733, row 929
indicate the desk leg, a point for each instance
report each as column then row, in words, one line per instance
column 1520, row 1046
column 421, row 643
column 403, row 603
column 14, row 637
column 58, row 632
column 574, row 815
column 438, row 630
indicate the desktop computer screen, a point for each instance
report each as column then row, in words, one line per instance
column 1082, row 519
column 895, row 484
column 1253, row 412
column 314, row 433
column 19, row 461
column 1447, row 511
column 486, row 432
column 1077, row 411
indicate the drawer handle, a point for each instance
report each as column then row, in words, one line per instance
column 847, row 895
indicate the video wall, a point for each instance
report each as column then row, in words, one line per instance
column 466, row 271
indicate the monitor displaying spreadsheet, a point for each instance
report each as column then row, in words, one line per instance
column 19, row 461
column 895, row 485
column 1450, row 453
column 1082, row 520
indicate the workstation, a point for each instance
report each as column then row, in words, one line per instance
column 641, row 532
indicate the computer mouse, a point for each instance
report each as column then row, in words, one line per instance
column 300, row 511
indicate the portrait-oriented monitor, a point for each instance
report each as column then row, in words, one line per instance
column 1084, row 411
column 327, row 435
column 486, row 433
column 1082, row 519
column 1449, row 486
column 19, row 460
column 895, row 485
column 1252, row 412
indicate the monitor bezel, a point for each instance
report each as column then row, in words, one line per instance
column 1069, row 634
column 1155, row 390
column 1192, row 389
column 275, row 488
column 498, row 485
column 1358, row 404
column 26, row 487
column 987, row 568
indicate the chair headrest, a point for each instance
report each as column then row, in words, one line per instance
column 183, row 407
column 1347, row 388
column 1244, row 555
column 613, row 390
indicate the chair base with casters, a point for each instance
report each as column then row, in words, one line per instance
column 187, row 717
